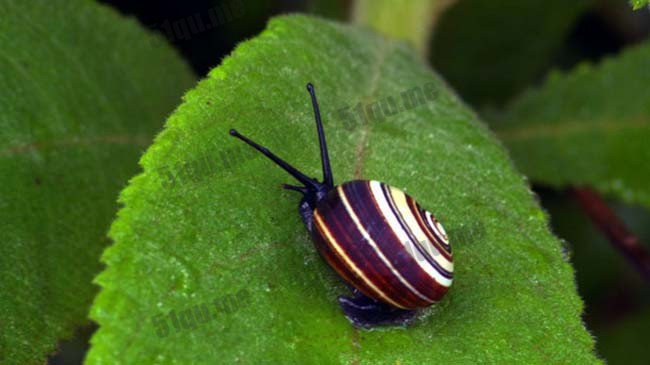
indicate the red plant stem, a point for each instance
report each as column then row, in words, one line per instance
column 615, row 230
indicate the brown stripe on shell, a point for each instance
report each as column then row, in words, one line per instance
column 402, row 258
column 362, row 254
column 419, row 214
column 409, row 231
column 336, row 262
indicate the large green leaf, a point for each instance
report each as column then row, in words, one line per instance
column 82, row 92
column 490, row 50
column 589, row 127
column 207, row 230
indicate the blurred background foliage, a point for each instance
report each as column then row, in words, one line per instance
column 489, row 51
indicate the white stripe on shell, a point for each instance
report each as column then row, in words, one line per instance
column 341, row 253
column 437, row 229
column 402, row 235
column 375, row 247
column 399, row 198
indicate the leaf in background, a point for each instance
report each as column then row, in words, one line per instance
column 83, row 91
column 624, row 341
column 589, row 127
column 211, row 263
column 330, row 9
column 605, row 278
column 638, row 4
column 490, row 50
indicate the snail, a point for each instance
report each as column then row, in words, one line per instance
column 394, row 255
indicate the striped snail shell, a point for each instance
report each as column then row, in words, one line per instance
column 384, row 244
column 394, row 255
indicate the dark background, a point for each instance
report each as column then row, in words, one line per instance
column 617, row 310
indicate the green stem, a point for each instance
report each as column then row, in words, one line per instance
column 638, row 4
column 411, row 21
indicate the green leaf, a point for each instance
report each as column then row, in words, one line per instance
column 638, row 4
column 490, row 50
column 82, row 92
column 329, row 9
column 623, row 340
column 620, row 341
column 589, row 127
column 207, row 226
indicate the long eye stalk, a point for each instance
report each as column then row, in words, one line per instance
column 310, row 184
column 280, row 162
column 328, row 180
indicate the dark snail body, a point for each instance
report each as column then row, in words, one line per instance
column 393, row 254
